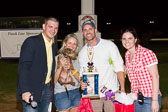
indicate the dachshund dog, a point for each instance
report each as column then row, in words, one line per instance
column 62, row 75
column 65, row 78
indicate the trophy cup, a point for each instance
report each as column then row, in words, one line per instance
column 91, row 77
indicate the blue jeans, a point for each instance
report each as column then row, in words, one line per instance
column 43, row 105
column 62, row 102
column 146, row 107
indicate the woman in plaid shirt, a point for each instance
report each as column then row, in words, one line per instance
column 141, row 67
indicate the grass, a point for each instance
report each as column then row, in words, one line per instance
column 8, row 77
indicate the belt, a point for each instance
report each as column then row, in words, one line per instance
column 48, row 83
column 94, row 98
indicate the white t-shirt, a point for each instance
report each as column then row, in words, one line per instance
column 103, row 51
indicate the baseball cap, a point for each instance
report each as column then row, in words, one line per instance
column 89, row 22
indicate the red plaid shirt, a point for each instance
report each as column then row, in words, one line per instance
column 137, row 70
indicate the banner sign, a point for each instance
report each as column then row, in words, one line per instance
column 11, row 41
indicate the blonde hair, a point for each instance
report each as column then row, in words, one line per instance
column 67, row 37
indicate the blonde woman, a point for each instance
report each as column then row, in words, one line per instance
column 70, row 102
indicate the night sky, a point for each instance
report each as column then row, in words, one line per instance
column 119, row 13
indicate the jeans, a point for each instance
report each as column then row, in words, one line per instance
column 146, row 107
column 43, row 104
column 62, row 102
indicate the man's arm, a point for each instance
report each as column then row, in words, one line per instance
column 121, row 79
column 25, row 63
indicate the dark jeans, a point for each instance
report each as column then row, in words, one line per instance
column 146, row 107
column 43, row 105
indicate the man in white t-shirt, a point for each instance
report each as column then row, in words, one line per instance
column 108, row 62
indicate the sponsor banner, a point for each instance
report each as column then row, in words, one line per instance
column 11, row 41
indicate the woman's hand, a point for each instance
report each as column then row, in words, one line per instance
column 65, row 63
column 155, row 106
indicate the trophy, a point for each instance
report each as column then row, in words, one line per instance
column 91, row 77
